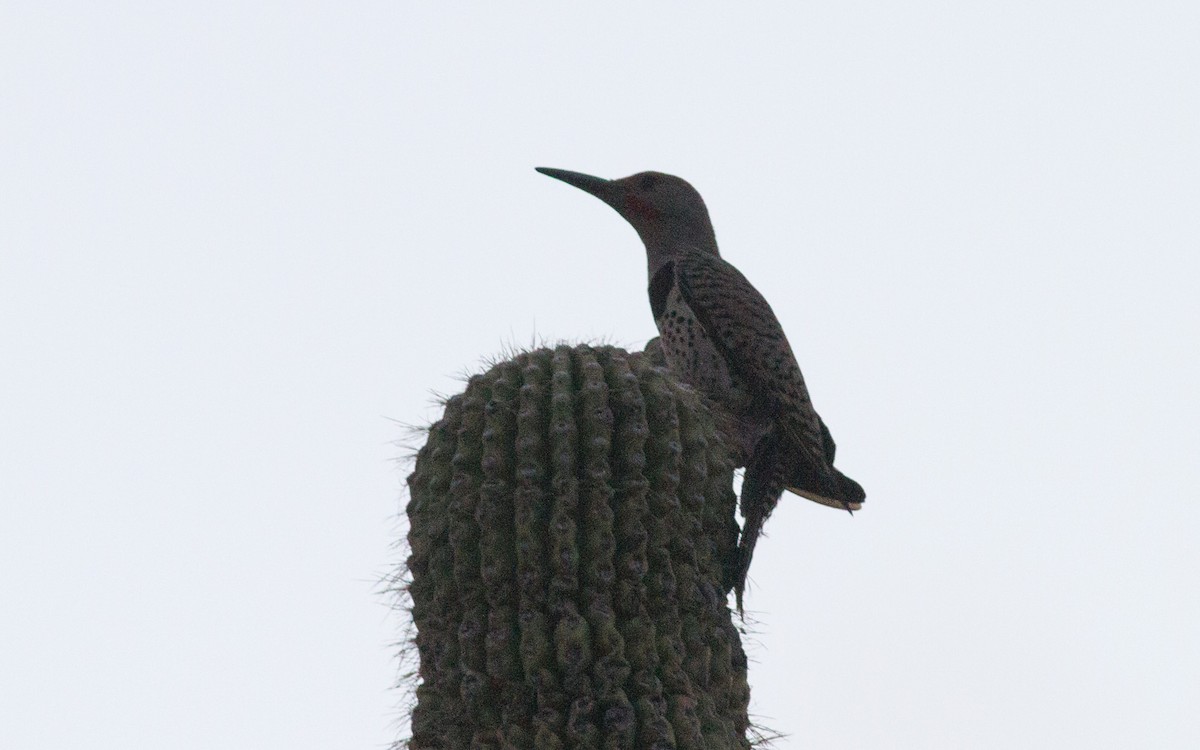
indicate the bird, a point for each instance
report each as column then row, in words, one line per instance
column 719, row 335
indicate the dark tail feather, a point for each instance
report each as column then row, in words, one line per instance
column 760, row 493
column 751, row 530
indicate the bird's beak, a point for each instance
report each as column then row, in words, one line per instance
column 605, row 190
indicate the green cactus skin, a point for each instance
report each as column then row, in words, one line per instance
column 569, row 518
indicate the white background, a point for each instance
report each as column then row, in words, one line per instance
column 241, row 242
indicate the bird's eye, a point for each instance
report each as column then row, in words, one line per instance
column 648, row 182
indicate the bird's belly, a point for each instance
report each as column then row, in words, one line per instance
column 695, row 359
column 691, row 355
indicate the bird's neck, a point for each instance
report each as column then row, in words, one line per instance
column 661, row 252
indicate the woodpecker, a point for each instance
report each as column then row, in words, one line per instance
column 719, row 335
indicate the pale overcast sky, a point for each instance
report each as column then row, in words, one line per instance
column 241, row 242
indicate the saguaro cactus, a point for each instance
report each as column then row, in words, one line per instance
column 570, row 516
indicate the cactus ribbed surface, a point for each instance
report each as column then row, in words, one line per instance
column 570, row 515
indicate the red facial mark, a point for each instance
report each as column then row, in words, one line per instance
column 640, row 208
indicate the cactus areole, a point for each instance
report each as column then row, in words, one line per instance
column 571, row 518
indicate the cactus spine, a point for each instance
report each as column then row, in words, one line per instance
column 569, row 519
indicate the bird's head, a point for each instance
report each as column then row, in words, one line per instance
column 666, row 211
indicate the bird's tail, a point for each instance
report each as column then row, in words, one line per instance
column 761, row 489
column 751, row 530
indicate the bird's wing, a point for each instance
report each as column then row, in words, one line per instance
column 742, row 325
column 827, row 443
